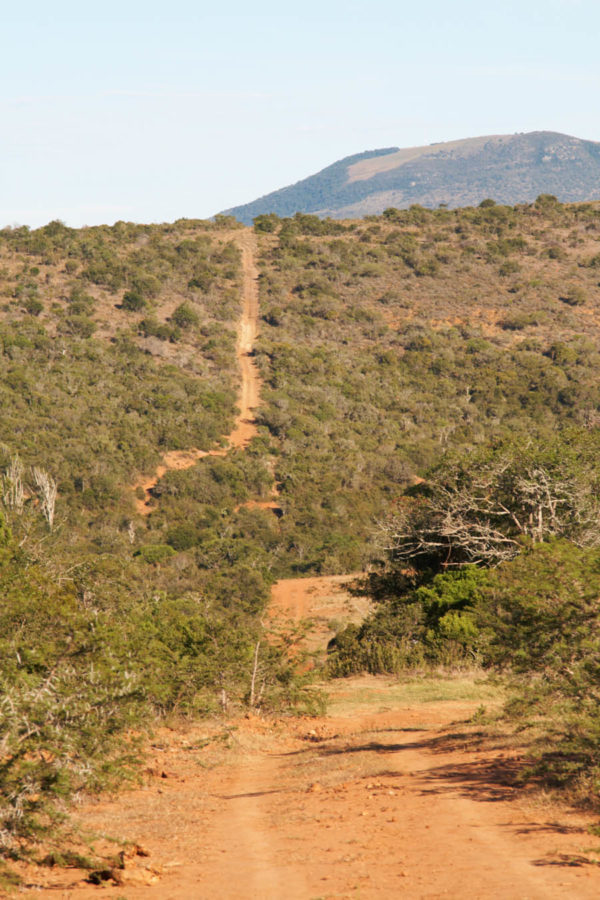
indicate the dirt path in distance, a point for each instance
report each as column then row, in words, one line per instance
column 324, row 602
column 249, row 395
column 392, row 794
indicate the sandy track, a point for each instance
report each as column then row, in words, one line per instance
column 385, row 797
column 378, row 802
column 249, row 395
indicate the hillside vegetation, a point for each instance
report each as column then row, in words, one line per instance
column 118, row 344
column 414, row 366
column 431, row 393
column 388, row 342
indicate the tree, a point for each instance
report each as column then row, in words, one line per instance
column 47, row 491
column 479, row 509
column 542, row 617
column 133, row 301
column 184, row 316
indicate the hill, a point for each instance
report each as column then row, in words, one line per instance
column 140, row 534
column 509, row 168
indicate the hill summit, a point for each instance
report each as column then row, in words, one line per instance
column 509, row 168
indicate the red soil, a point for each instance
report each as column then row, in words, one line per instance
column 245, row 424
column 386, row 797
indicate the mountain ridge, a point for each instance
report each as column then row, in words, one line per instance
column 509, row 168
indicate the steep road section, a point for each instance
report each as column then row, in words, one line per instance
column 249, row 394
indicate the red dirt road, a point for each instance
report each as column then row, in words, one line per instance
column 393, row 794
column 377, row 803
column 321, row 601
column 249, row 395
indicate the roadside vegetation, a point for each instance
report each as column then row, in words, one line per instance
column 118, row 345
column 432, row 400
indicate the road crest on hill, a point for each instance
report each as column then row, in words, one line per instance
column 244, row 428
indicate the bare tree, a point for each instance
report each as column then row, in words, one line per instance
column 46, row 487
column 481, row 513
column 13, row 490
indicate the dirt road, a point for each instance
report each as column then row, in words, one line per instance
column 382, row 798
column 392, row 794
column 249, row 394
column 321, row 602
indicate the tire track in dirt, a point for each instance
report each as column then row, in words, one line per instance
column 389, row 795
column 249, row 394
column 380, row 799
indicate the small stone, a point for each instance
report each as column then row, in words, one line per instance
column 139, row 876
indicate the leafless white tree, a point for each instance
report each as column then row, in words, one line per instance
column 13, row 490
column 47, row 490
column 481, row 516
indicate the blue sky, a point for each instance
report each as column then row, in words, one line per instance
column 149, row 111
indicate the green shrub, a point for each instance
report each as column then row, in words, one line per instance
column 183, row 536
column 77, row 325
column 33, row 306
column 185, row 317
column 155, row 553
column 576, row 296
column 133, row 301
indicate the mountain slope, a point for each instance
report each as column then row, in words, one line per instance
column 509, row 168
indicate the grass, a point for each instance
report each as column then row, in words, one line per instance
column 351, row 695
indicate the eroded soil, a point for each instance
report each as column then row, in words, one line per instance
column 320, row 603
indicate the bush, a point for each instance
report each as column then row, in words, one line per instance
column 155, row 553
column 78, row 326
column 33, row 306
column 542, row 616
column 183, row 536
column 266, row 223
column 133, row 301
column 185, row 317
column 576, row 296
column 67, row 697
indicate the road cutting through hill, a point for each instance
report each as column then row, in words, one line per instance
column 249, row 393
column 393, row 793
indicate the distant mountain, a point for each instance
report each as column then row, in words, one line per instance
column 508, row 168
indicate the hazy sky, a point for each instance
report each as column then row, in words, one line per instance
column 149, row 111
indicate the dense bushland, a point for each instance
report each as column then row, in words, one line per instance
column 436, row 372
column 389, row 341
column 494, row 561
column 117, row 345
